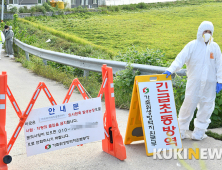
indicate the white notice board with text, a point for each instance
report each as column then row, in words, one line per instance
column 61, row 126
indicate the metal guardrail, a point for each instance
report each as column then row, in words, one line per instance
column 86, row 63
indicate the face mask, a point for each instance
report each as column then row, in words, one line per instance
column 207, row 37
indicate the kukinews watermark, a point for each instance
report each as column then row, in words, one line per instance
column 188, row 153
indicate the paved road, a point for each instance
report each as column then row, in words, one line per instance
column 23, row 82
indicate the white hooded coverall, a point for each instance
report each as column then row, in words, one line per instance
column 2, row 40
column 204, row 70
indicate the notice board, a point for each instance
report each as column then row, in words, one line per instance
column 61, row 126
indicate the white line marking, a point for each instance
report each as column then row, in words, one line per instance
column 106, row 133
column 104, row 83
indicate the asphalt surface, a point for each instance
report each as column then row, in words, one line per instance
column 23, row 83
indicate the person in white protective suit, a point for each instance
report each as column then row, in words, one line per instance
column 204, row 71
column 2, row 40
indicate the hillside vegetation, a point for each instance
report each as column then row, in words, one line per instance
column 167, row 28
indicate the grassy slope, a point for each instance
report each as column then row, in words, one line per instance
column 60, row 44
column 168, row 29
column 67, row 36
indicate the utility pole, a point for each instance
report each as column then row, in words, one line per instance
column 2, row 17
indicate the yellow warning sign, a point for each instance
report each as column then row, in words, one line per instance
column 152, row 115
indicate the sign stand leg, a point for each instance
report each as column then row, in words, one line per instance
column 4, row 158
column 113, row 144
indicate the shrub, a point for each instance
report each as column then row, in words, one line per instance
column 113, row 8
column 13, row 9
column 61, row 12
column 15, row 24
column 67, row 69
column 40, row 8
column 33, row 9
column 149, row 57
column 68, row 9
column 129, row 7
column 141, row 5
column 57, row 7
column 2, row 25
column 179, row 84
column 117, row 8
column 123, row 85
column 48, row 7
column 24, row 9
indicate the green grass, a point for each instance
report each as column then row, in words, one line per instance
column 166, row 28
column 69, row 37
column 214, row 135
column 39, row 38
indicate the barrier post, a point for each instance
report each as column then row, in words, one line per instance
column 27, row 55
column 3, row 135
column 112, row 144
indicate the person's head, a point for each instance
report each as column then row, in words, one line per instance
column 6, row 27
column 205, row 31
